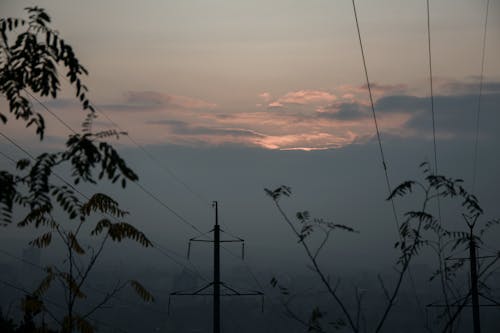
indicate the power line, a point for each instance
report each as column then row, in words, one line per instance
column 145, row 190
column 431, row 86
column 196, row 194
column 40, row 267
column 384, row 164
column 141, row 187
column 161, row 250
column 372, row 104
column 49, row 301
column 51, row 112
column 8, row 158
column 155, row 198
column 481, row 77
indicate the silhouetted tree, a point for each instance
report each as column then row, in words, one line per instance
column 424, row 230
column 31, row 55
column 419, row 230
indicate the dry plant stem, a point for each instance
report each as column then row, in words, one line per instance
column 295, row 317
column 105, row 300
column 406, row 265
column 318, row 270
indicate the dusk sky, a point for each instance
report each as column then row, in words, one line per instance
column 234, row 96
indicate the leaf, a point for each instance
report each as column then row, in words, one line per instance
column 142, row 292
column 42, row 241
column 23, row 164
column 280, row 191
column 45, row 284
column 120, row 231
column 73, row 243
column 102, row 203
column 83, row 325
column 303, row 216
column 489, row 224
column 72, row 284
column 31, row 305
column 402, row 189
column 37, row 216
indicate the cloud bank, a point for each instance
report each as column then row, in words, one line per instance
column 306, row 119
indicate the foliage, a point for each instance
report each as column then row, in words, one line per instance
column 30, row 63
column 31, row 56
column 420, row 230
column 305, row 228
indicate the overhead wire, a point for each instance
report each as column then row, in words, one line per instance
column 143, row 188
column 196, row 194
column 431, row 91
column 137, row 183
column 161, row 165
column 156, row 161
column 431, row 86
column 161, row 249
column 50, row 111
column 374, row 115
column 379, row 140
column 115, row 297
column 49, row 301
column 478, row 113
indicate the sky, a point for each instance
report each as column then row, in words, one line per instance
column 230, row 97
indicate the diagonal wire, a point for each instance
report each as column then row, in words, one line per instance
column 50, row 111
column 382, row 156
column 481, row 77
column 144, row 189
column 49, row 301
column 433, row 113
column 196, row 194
column 374, row 115
column 139, row 185
column 163, row 250
column 431, row 87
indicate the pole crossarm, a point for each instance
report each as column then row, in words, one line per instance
column 213, row 288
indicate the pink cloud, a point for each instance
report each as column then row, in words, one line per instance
column 275, row 105
column 303, row 97
column 265, row 96
column 318, row 120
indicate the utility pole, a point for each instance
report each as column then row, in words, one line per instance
column 216, row 283
column 473, row 274
column 474, row 278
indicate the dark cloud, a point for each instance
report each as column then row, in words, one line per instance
column 62, row 103
column 470, row 87
column 184, row 128
column 150, row 98
column 345, row 111
column 401, row 104
column 385, row 88
column 457, row 114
